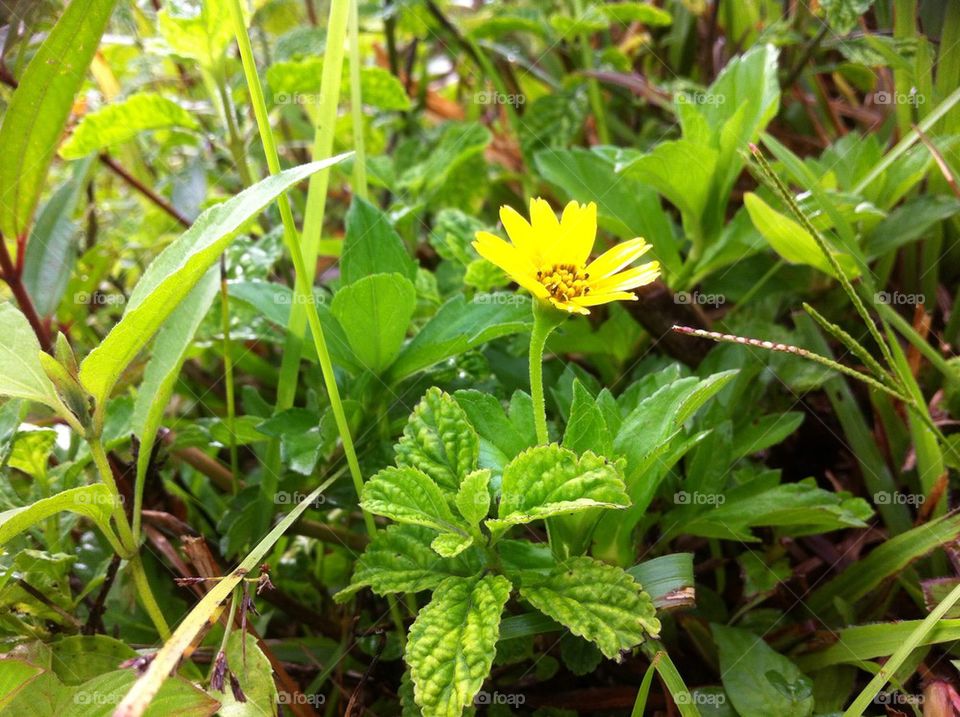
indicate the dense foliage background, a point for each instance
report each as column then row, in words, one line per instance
column 209, row 362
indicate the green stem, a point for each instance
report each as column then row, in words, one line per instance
column 593, row 88
column 228, row 375
column 356, row 106
column 127, row 541
column 545, row 320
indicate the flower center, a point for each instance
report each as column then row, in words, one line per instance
column 564, row 281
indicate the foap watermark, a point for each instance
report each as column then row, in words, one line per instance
column 698, row 298
column 500, row 298
column 98, row 298
column 701, row 98
column 283, row 497
column 95, row 699
column 510, row 699
column 97, row 499
column 298, row 98
column 898, row 698
column 315, row 699
column 898, row 298
column 293, row 299
column 899, row 98
column 492, row 97
column 886, row 498
column 682, row 497
column 706, row 699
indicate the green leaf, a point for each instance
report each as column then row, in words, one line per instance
column 498, row 434
column 14, row 676
column 460, row 325
column 627, row 12
column 667, row 579
column 79, row 658
column 453, row 642
column 688, row 190
column 842, row 15
column 375, row 312
column 21, row 375
column 372, row 246
column 174, row 273
column 200, row 32
column 586, row 428
column 408, row 495
column 122, row 121
column 52, row 245
column 39, row 108
column 94, row 501
column 255, row 674
column 450, row 545
column 758, row 680
column 792, row 241
column 459, row 142
column 99, row 697
column 298, row 81
column 439, row 440
column 598, row 602
column 163, row 369
column 550, row 480
column 473, row 497
column 400, row 560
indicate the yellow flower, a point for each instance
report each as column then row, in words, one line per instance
column 549, row 257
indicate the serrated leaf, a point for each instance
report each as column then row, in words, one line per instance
column 439, row 440
column 550, row 480
column 122, row 121
column 473, row 498
column 174, row 273
column 453, row 642
column 400, row 560
column 596, row 601
column 450, row 545
column 408, row 495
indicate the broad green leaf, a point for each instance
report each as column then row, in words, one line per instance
column 450, row 545
column 439, row 440
column 460, row 325
column 298, row 82
column 550, row 480
column 400, row 560
column 627, row 12
column 688, row 190
column 122, row 121
column 52, row 245
column 473, row 497
column 453, row 642
column 459, row 142
column 174, row 273
column 255, row 674
column 599, row 602
column 163, row 369
column 758, row 680
column 765, row 431
column 99, row 697
column 21, row 375
column 586, row 428
column 94, row 501
column 79, row 658
column 408, row 495
column 792, row 241
column 14, row 676
column 500, row 439
column 372, row 246
column 748, row 80
column 375, row 312
column 39, row 108
column 199, row 32
column 842, row 15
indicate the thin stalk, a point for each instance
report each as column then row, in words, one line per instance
column 356, row 106
column 227, row 628
column 545, row 320
column 325, row 119
column 593, row 88
column 228, row 374
column 296, row 253
column 847, row 340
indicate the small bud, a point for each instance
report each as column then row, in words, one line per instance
column 70, row 392
column 235, row 688
column 65, row 356
column 219, row 672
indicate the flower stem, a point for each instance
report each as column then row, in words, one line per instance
column 545, row 320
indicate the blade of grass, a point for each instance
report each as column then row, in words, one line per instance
column 356, row 106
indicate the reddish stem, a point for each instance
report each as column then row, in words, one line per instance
column 14, row 280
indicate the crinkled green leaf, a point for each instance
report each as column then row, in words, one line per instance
column 400, row 560
column 473, row 498
column 450, row 545
column 453, row 642
column 596, row 601
column 439, row 440
column 550, row 480
column 124, row 120
column 408, row 495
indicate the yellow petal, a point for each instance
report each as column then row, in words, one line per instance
column 578, row 227
column 592, row 299
column 614, row 259
column 508, row 257
column 520, row 232
column 571, row 307
column 629, row 279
